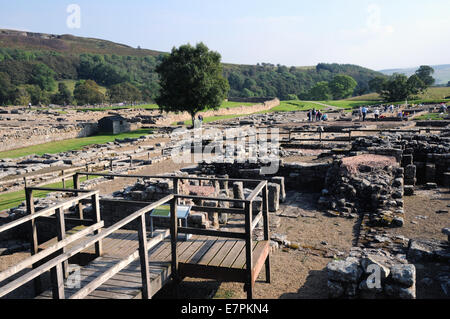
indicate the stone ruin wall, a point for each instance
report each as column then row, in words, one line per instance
column 29, row 137
column 169, row 118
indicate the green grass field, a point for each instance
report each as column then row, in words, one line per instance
column 225, row 104
column 285, row 106
column 432, row 94
column 431, row 117
column 70, row 144
column 296, row 105
column 346, row 104
column 13, row 199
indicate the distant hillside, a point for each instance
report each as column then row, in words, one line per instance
column 108, row 63
column 67, row 44
column 441, row 72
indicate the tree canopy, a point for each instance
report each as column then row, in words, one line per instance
column 342, row 86
column 64, row 96
column 424, row 73
column 123, row 92
column 398, row 87
column 320, row 92
column 191, row 80
column 87, row 92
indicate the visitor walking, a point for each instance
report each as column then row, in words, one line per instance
column 364, row 113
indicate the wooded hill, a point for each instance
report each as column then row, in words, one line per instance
column 107, row 63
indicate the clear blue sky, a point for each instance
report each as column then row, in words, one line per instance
column 376, row 34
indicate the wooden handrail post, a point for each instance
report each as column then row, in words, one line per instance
column 63, row 179
column 143, row 256
column 33, row 237
column 248, row 249
column 173, row 238
column 57, row 278
column 76, row 185
column 96, row 208
column 349, row 135
column 175, row 188
column 61, row 234
column 110, row 165
column 87, row 170
column 265, row 197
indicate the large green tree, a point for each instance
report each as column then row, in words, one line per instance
column 123, row 92
column 399, row 87
column 342, row 86
column 320, row 92
column 87, row 92
column 191, row 80
column 43, row 76
column 424, row 73
column 6, row 89
column 63, row 96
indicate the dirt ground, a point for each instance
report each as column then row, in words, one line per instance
column 295, row 273
column 421, row 219
column 300, row 273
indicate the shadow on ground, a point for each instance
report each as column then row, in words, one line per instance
column 315, row 287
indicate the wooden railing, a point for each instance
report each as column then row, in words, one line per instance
column 60, row 253
column 55, row 265
column 58, row 210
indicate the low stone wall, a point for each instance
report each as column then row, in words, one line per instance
column 169, row 118
column 45, row 135
column 296, row 176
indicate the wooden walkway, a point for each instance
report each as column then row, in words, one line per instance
column 121, row 256
column 207, row 256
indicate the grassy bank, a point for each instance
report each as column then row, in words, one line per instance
column 225, row 104
column 13, row 199
column 70, row 144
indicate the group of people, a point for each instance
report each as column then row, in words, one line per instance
column 316, row 115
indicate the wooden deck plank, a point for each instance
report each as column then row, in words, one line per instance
column 240, row 260
column 212, row 251
column 202, row 251
column 234, row 253
column 183, row 245
column 196, row 245
column 113, row 286
column 222, row 253
column 130, row 248
column 110, row 241
column 118, row 245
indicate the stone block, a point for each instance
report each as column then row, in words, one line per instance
column 274, row 196
column 238, row 193
column 347, row 270
column 280, row 180
column 404, row 275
